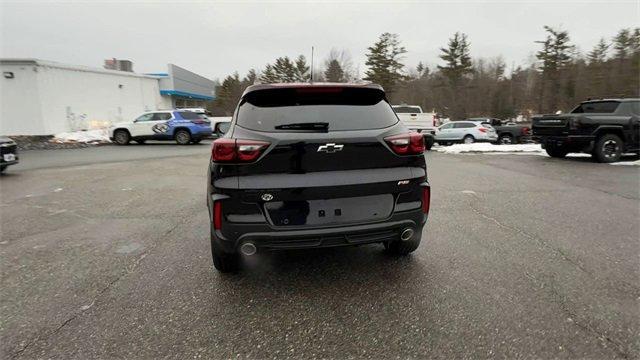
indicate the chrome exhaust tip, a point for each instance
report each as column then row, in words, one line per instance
column 248, row 249
column 406, row 234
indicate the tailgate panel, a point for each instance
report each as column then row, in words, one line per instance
column 330, row 211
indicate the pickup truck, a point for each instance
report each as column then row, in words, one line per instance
column 508, row 133
column 605, row 128
column 413, row 118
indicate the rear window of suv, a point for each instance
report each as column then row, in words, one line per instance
column 190, row 115
column 340, row 108
column 597, row 107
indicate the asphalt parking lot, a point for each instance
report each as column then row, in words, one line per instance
column 105, row 254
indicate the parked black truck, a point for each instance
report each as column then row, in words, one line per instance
column 605, row 128
column 508, row 133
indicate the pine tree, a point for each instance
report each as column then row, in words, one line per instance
column 250, row 79
column 269, row 76
column 599, row 53
column 343, row 60
column 384, row 62
column 285, row 70
column 635, row 41
column 422, row 70
column 301, row 69
column 622, row 44
column 457, row 58
column 556, row 51
column 555, row 56
column 229, row 93
column 334, row 72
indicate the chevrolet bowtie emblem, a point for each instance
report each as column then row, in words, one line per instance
column 330, row 148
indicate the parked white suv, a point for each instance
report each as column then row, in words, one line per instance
column 466, row 132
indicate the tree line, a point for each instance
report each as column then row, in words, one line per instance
column 557, row 78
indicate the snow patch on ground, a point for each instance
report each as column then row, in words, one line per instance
column 627, row 163
column 514, row 149
column 85, row 136
column 489, row 148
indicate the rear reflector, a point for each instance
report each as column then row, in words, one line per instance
column 237, row 150
column 426, row 199
column 217, row 215
column 406, row 144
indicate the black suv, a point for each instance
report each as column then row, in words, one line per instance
column 313, row 166
column 604, row 128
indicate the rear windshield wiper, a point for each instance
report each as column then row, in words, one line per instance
column 314, row 126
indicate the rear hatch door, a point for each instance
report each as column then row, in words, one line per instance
column 327, row 162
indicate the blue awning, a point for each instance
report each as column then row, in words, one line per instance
column 185, row 94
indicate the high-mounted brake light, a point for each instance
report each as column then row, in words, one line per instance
column 426, row 199
column 237, row 150
column 406, row 144
column 318, row 90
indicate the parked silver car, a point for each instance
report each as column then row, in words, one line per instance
column 466, row 132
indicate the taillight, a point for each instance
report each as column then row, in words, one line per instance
column 482, row 129
column 237, row 150
column 434, row 121
column 406, row 144
column 426, row 199
column 525, row 131
column 217, row 215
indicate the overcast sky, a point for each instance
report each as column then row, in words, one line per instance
column 215, row 39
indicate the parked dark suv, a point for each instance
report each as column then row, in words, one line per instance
column 604, row 128
column 313, row 166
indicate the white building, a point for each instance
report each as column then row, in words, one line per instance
column 44, row 98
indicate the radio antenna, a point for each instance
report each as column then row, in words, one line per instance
column 311, row 64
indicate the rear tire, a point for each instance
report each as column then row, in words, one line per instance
column 183, row 137
column 400, row 247
column 608, row 149
column 556, row 152
column 224, row 262
column 121, row 137
column 505, row 139
column 469, row 139
column 428, row 142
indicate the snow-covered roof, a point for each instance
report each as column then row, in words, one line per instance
column 57, row 65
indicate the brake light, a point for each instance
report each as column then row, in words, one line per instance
column 525, row 131
column 237, row 150
column 318, row 90
column 426, row 199
column 217, row 215
column 482, row 129
column 434, row 121
column 406, row 144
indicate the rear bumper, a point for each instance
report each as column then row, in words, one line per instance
column 266, row 237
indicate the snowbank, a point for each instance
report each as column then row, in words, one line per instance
column 515, row 149
column 86, row 136
column 627, row 163
column 489, row 148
